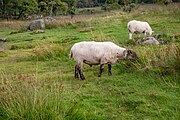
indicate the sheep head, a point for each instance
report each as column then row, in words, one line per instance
column 130, row 54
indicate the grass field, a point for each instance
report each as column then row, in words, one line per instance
column 37, row 74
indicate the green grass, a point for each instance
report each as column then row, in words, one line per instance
column 37, row 74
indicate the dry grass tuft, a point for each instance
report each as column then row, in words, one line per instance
column 50, row 51
column 166, row 59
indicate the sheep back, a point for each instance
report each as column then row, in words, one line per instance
column 93, row 53
column 135, row 26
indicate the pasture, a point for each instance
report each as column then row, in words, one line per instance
column 37, row 74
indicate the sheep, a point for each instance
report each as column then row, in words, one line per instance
column 95, row 53
column 138, row 27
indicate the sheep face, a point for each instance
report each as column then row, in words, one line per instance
column 129, row 54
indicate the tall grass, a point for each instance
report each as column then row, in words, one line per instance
column 24, row 97
column 50, row 51
column 166, row 59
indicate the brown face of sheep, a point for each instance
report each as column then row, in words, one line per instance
column 130, row 54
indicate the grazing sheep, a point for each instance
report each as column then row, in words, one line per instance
column 95, row 53
column 138, row 27
column 36, row 23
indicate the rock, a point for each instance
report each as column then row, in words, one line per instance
column 36, row 24
column 162, row 42
column 39, row 31
column 49, row 19
column 151, row 40
column 3, row 39
column 87, row 29
column 34, row 17
column 140, row 40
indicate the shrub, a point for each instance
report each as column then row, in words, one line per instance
column 109, row 7
column 132, row 5
column 87, row 11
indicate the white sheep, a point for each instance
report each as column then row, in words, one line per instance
column 138, row 27
column 95, row 53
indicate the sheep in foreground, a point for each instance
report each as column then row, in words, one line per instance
column 138, row 27
column 95, row 53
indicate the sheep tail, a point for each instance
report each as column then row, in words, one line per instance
column 71, row 54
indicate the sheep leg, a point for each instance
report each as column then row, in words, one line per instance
column 130, row 36
column 109, row 70
column 81, row 74
column 101, row 70
column 80, row 71
column 76, row 72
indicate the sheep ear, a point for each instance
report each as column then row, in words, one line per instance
column 129, row 52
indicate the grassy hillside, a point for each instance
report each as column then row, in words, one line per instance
column 37, row 75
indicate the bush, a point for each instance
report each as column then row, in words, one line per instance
column 87, row 11
column 165, row 2
column 132, row 5
column 109, row 7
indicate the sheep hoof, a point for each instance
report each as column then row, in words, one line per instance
column 82, row 78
